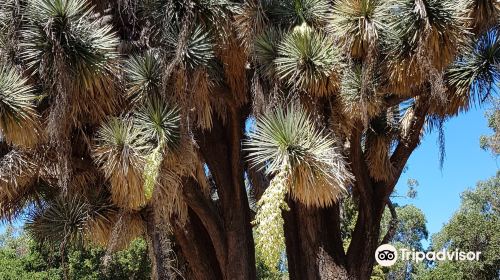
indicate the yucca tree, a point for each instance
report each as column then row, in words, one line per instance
column 305, row 166
column 169, row 118
column 76, row 162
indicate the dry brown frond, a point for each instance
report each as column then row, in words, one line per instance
column 119, row 151
column 94, row 100
column 438, row 29
column 200, row 99
column 99, row 228
column 289, row 144
column 357, row 23
column 180, row 84
column 339, row 121
column 319, row 182
column 324, row 87
column 317, row 192
column 234, row 60
column 403, row 74
column 126, row 189
column 82, row 180
column 25, row 133
column 17, row 174
column 439, row 47
column 194, row 93
column 168, row 196
column 134, row 227
column 307, row 60
column 483, row 14
column 19, row 120
column 219, row 106
column 426, row 39
column 17, row 170
column 431, row 68
column 250, row 20
column 377, row 155
column 456, row 102
column 46, row 158
column 84, row 100
column 115, row 230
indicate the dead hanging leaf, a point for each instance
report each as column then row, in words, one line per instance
column 378, row 157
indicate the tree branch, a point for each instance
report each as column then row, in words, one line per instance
column 358, row 165
column 221, row 148
column 208, row 215
column 408, row 144
column 194, row 249
column 393, row 224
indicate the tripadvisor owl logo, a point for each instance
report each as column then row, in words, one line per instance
column 386, row 255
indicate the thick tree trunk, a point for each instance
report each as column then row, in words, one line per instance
column 197, row 250
column 208, row 215
column 221, row 148
column 371, row 199
column 313, row 242
column 365, row 240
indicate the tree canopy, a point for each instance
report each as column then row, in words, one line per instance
column 124, row 119
column 474, row 227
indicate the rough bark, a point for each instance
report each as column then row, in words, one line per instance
column 365, row 240
column 313, row 242
column 221, row 147
column 197, row 250
column 208, row 216
column 159, row 258
column 393, row 224
column 259, row 182
column 360, row 254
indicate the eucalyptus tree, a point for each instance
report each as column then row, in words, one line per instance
column 474, row 227
column 491, row 142
column 121, row 118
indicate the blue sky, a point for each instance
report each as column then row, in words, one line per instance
column 465, row 164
